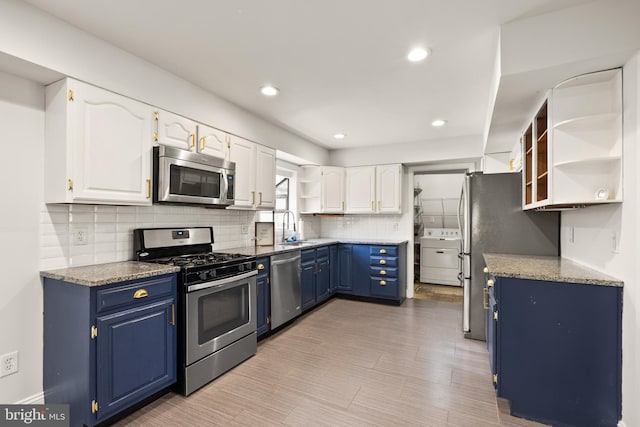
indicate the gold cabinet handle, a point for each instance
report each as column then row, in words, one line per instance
column 383, row 283
column 260, row 203
column 148, row 188
column 490, row 282
column 485, row 298
column 253, row 197
column 383, row 251
column 193, row 140
column 383, row 261
column 383, row 272
column 140, row 293
column 486, row 269
column 203, row 143
column 260, row 266
column 173, row 314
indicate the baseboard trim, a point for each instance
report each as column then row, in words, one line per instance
column 36, row 399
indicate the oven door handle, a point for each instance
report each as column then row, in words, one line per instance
column 222, row 282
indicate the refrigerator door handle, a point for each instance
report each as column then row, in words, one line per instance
column 466, row 286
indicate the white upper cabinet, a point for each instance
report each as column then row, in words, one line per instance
column 213, row 142
column 572, row 149
column 332, row 189
column 243, row 154
column 266, row 177
column 360, row 189
column 388, row 188
column 97, row 146
column 374, row 189
column 255, row 177
column 174, row 130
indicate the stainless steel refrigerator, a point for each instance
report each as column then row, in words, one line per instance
column 492, row 221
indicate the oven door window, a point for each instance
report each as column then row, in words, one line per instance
column 222, row 312
column 187, row 181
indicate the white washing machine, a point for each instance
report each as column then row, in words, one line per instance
column 439, row 262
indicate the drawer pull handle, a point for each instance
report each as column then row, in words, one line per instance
column 260, row 266
column 140, row 293
column 383, row 251
column 383, row 261
column 490, row 283
column 383, row 283
column 383, row 272
column 439, row 252
column 486, row 270
column 173, row 314
column 485, row 298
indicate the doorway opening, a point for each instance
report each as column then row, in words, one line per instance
column 436, row 223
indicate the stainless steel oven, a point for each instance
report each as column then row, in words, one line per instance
column 181, row 176
column 219, row 313
column 217, row 301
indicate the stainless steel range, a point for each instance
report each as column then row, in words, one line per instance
column 217, row 307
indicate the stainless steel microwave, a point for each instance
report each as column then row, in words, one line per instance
column 180, row 176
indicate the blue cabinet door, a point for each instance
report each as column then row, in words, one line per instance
column 264, row 296
column 135, row 355
column 308, row 284
column 334, row 266
column 323, row 290
column 492, row 333
column 361, row 259
column 345, row 255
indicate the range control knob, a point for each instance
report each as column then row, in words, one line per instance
column 203, row 275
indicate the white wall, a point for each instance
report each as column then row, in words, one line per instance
column 596, row 229
column 22, row 145
column 34, row 36
column 433, row 151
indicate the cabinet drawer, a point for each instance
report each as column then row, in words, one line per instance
column 385, row 288
column 382, row 272
column 384, row 261
column 322, row 252
column 383, row 250
column 308, row 255
column 440, row 258
column 139, row 292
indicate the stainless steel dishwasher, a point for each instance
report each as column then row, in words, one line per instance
column 286, row 288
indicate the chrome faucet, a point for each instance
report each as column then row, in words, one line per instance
column 284, row 216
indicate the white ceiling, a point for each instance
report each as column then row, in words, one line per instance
column 340, row 65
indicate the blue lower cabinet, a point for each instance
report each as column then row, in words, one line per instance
column 108, row 347
column 334, row 266
column 263, row 288
column 316, row 276
column 377, row 271
column 558, row 351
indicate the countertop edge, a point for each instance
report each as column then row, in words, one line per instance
column 550, row 269
column 91, row 275
column 263, row 251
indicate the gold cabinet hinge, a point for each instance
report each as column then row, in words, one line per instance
column 155, row 136
column 495, row 315
column 94, row 406
column 228, row 143
column 155, row 115
column 495, row 378
column 70, row 95
column 70, row 184
column 94, row 332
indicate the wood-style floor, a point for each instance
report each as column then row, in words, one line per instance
column 351, row 363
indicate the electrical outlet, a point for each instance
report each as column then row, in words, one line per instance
column 244, row 229
column 8, row 364
column 80, row 236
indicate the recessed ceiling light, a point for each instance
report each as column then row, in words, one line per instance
column 269, row 90
column 339, row 135
column 418, row 54
column 439, row 122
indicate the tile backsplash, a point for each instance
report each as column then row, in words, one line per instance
column 74, row 235
column 365, row 226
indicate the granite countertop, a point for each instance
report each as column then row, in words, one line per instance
column 104, row 274
column 546, row 268
column 306, row 244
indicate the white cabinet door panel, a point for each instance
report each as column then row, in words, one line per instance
column 243, row 153
column 389, row 188
column 213, row 142
column 332, row 190
column 175, row 131
column 265, row 178
column 360, row 189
